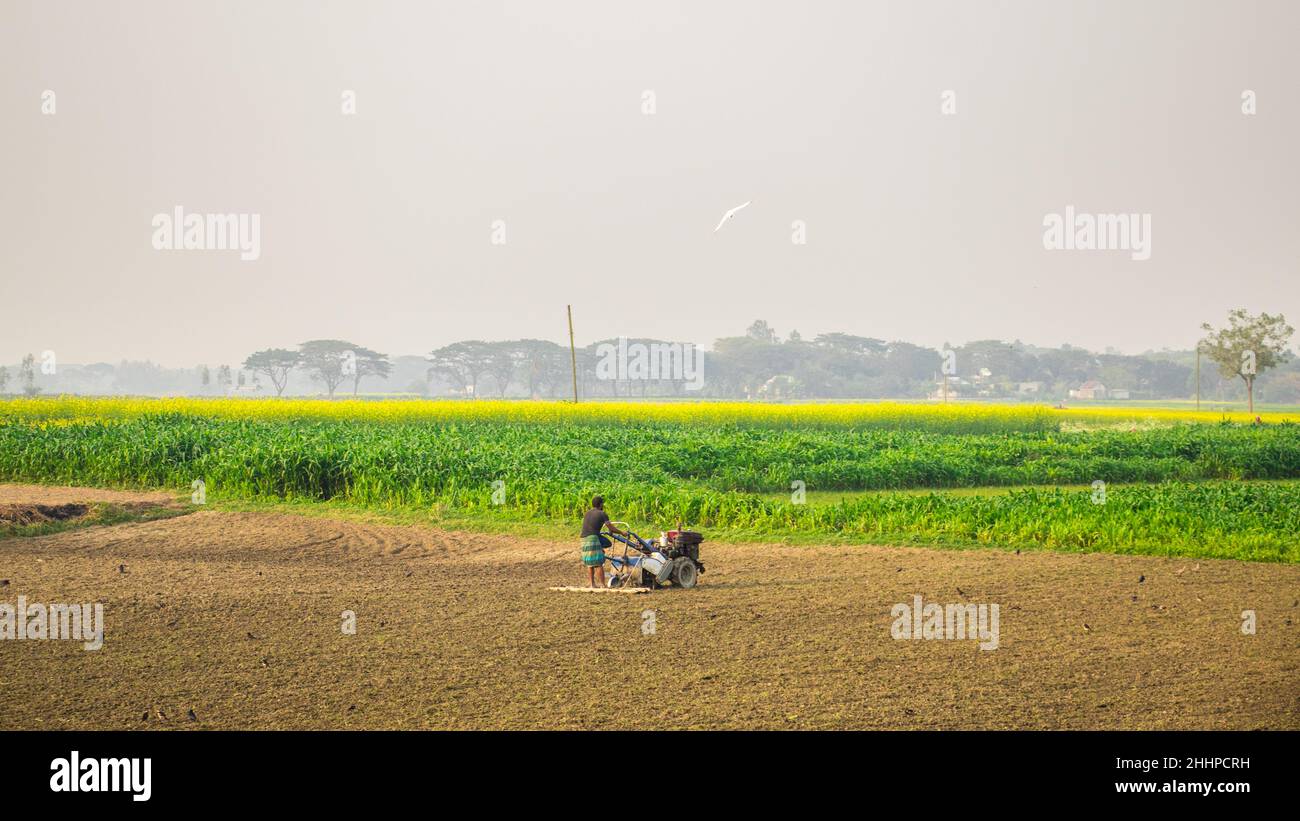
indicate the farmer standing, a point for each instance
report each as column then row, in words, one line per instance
column 594, row 543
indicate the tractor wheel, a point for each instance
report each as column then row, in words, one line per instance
column 685, row 574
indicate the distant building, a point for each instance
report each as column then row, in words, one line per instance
column 780, row 386
column 1118, row 393
column 1092, row 389
column 956, row 387
column 1028, row 388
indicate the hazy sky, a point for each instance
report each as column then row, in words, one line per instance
column 377, row 227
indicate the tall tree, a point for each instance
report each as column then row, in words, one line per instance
column 461, row 364
column 328, row 361
column 29, row 376
column 275, row 363
column 912, row 362
column 761, row 331
column 863, row 345
column 369, row 363
column 753, row 359
column 1247, row 346
column 502, row 362
column 1004, row 360
column 544, row 364
column 223, row 378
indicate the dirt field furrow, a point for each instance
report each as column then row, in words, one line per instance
column 238, row 617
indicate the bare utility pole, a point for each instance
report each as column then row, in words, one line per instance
column 573, row 356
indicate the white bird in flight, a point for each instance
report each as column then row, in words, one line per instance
column 729, row 215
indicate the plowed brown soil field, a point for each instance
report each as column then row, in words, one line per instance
column 233, row 620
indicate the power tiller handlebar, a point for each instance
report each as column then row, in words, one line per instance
column 631, row 540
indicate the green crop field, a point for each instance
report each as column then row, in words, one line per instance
column 1179, row 484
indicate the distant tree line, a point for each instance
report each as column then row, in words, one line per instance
column 328, row 362
column 760, row 365
column 1247, row 359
